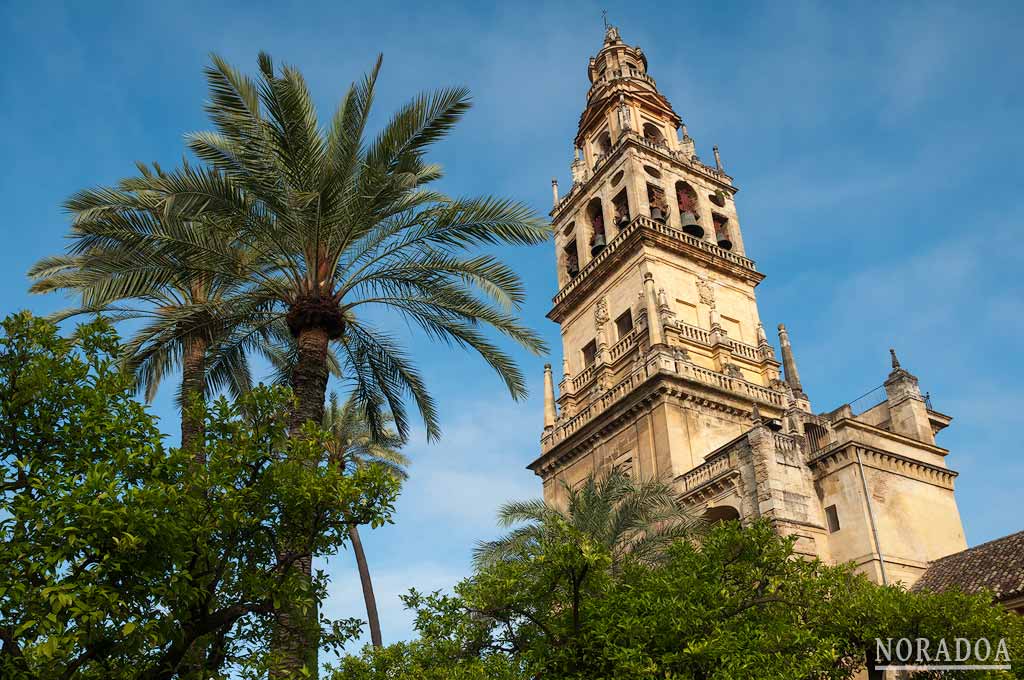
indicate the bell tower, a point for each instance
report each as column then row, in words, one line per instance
column 666, row 367
column 656, row 298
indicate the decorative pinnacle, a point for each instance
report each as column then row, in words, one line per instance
column 895, row 361
column 755, row 415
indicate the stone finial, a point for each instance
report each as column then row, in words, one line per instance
column 762, row 337
column 788, row 361
column 554, row 191
column 718, row 159
column 549, row 398
column 565, row 368
column 755, row 415
column 895, row 361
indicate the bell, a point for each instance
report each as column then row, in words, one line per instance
column 597, row 244
column 724, row 242
column 657, row 215
column 690, row 226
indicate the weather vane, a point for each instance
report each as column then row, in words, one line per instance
column 604, row 17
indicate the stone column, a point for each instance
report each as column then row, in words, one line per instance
column 654, row 328
column 789, row 362
column 549, row 399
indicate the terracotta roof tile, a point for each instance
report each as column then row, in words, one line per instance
column 997, row 565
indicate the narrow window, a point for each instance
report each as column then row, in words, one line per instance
column 833, row 519
column 589, row 353
column 624, row 324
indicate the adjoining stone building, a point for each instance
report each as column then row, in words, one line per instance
column 667, row 369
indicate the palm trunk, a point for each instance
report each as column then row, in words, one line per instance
column 193, row 440
column 309, row 379
column 364, row 578
column 193, row 391
column 296, row 637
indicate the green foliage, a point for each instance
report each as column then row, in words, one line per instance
column 124, row 559
column 738, row 603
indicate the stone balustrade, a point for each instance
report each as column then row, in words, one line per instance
column 746, row 351
column 715, row 465
column 584, row 378
column 612, row 75
column 564, row 427
column 625, row 344
column 643, row 222
column 698, row 335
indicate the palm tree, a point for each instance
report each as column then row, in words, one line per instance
column 353, row 444
column 120, row 263
column 608, row 518
column 625, row 517
column 335, row 224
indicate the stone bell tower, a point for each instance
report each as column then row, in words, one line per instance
column 667, row 370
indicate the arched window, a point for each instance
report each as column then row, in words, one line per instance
column 721, row 513
column 603, row 145
column 595, row 216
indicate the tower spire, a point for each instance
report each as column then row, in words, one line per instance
column 788, row 361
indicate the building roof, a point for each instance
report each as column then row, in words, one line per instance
column 997, row 565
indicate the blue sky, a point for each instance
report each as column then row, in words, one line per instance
column 877, row 150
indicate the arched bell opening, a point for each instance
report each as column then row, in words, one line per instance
column 656, row 199
column 620, row 204
column 570, row 254
column 595, row 215
column 603, row 145
column 686, row 199
column 653, row 134
column 722, row 231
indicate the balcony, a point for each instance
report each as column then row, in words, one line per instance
column 638, row 223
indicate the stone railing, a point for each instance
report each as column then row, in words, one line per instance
column 735, row 385
column 625, row 344
column 784, row 442
column 630, row 344
column 618, row 74
column 698, row 335
column 699, row 243
column 643, row 222
column 715, row 465
column 585, row 376
column 746, row 351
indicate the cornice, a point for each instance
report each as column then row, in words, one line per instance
column 886, row 461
